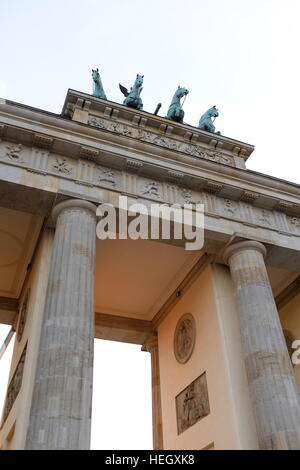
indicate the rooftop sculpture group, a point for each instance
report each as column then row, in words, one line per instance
column 175, row 111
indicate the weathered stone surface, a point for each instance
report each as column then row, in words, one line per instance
column 272, row 384
column 14, row 386
column 192, row 404
column 60, row 415
column 23, row 316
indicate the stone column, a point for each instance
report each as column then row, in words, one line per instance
column 151, row 345
column 60, row 416
column 272, row 384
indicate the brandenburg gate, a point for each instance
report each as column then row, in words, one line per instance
column 219, row 322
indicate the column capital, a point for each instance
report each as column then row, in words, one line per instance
column 150, row 343
column 72, row 203
column 244, row 245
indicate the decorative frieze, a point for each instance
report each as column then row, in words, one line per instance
column 192, row 404
column 161, row 140
column 172, row 187
column 14, row 386
column 23, row 316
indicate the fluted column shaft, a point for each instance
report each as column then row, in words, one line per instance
column 60, row 416
column 272, row 384
column 151, row 345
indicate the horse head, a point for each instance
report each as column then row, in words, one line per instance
column 95, row 75
column 180, row 92
column 139, row 80
column 213, row 112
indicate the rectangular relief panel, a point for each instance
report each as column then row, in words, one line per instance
column 14, row 386
column 192, row 404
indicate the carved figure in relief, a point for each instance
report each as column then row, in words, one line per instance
column 13, row 151
column 295, row 221
column 230, row 206
column 107, row 176
column 62, row 166
column 183, row 339
column 190, row 407
column 265, row 217
column 187, row 196
column 151, row 189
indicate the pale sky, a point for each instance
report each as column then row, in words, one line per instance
column 241, row 55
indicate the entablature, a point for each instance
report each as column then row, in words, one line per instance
column 57, row 155
column 46, row 137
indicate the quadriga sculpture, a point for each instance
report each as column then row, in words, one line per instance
column 175, row 111
column 133, row 99
column 98, row 90
column 206, row 122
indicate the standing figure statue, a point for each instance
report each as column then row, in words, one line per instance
column 133, row 99
column 175, row 111
column 98, row 90
column 206, row 122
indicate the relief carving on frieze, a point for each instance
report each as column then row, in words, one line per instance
column 266, row 217
column 295, row 221
column 151, row 189
column 23, row 316
column 61, row 165
column 13, row 152
column 14, row 386
column 192, row 404
column 187, row 196
column 162, row 141
column 107, row 176
column 190, row 197
column 230, row 207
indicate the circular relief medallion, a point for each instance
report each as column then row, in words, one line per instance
column 184, row 338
